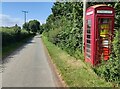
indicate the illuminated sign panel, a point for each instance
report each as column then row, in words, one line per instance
column 104, row 11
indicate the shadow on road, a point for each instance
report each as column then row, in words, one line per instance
column 7, row 58
column 38, row 36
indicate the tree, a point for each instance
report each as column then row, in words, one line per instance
column 42, row 28
column 34, row 26
column 64, row 26
column 17, row 29
column 26, row 27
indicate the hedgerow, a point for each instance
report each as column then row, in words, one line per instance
column 11, row 35
column 64, row 28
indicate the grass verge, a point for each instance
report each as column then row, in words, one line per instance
column 74, row 72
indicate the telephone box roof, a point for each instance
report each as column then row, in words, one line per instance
column 100, row 5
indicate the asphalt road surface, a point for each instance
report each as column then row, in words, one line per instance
column 29, row 67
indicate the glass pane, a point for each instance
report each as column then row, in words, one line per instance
column 88, row 45
column 88, row 50
column 104, row 20
column 88, row 55
column 88, row 41
column 89, row 23
column 88, row 31
column 88, row 36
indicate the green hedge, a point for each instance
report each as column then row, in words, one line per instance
column 10, row 35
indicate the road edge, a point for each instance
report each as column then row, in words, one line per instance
column 58, row 77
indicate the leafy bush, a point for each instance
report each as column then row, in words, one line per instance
column 64, row 27
column 11, row 35
column 111, row 69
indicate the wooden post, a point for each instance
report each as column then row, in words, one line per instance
column 84, row 21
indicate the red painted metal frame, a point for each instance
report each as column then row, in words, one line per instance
column 94, row 29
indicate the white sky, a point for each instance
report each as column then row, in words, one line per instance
column 10, row 21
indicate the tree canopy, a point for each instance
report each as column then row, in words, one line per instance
column 26, row 27
column 33, row 26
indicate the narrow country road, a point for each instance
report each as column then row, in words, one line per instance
column 29, row 67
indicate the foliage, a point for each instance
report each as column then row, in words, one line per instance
column 26, row 27
column 34, row 25
column 17, row 29
column 42, row 27
column 12, row 35
column 111, row 70
column 64, row 28
column 74, row 72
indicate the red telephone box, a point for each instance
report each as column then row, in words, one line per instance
column 98, row 33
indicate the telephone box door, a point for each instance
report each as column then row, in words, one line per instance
column 103, row 38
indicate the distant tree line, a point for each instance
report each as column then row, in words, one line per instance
column 15, row 34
